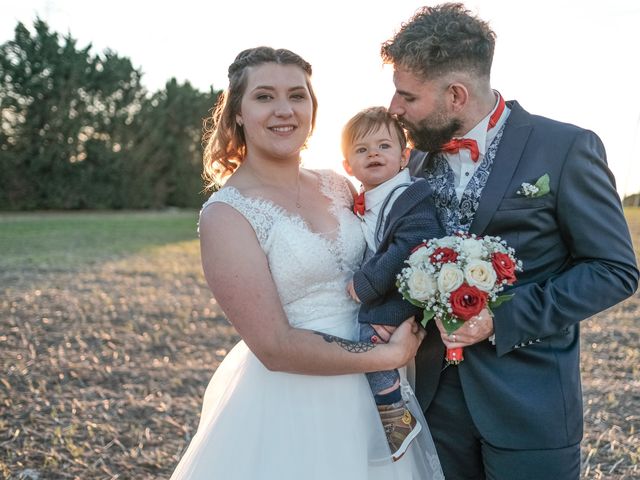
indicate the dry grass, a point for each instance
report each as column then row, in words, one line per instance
column 104, row 363
column 611, row 385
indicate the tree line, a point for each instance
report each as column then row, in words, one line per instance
column 78, row 129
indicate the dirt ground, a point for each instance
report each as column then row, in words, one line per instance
column 103, row 369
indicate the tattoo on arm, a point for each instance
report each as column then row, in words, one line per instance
column 349, row 346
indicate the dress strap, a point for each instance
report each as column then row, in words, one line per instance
column 335, row 187
column 261, row 214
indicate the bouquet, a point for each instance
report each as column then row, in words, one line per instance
column 453, row 278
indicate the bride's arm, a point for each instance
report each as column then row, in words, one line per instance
column 238, row 274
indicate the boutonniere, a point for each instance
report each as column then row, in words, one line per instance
column 538, row 189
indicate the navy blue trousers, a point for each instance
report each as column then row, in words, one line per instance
column 465, row 455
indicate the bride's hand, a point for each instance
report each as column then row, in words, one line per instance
column 405, row 341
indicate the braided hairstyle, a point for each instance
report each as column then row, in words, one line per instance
column 224, row 141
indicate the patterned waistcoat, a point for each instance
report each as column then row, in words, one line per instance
column 458, row 215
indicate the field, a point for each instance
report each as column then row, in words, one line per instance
column 108, row 336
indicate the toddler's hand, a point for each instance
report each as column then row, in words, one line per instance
column 384, row 333
column 352, row 292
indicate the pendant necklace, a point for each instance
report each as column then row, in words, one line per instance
column 298, row 192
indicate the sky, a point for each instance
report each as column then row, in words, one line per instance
column 572, row 60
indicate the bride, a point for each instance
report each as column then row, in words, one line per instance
column 279, row 244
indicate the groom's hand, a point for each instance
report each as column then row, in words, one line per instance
column 474, row 330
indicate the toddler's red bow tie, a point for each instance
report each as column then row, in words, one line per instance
column 358, row 204
column 455, row 144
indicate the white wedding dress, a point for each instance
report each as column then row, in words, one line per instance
column 259, row 424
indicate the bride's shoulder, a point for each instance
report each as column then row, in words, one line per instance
column 226, row 195
column 228, row 204
column 220, row 207
column 333, row 184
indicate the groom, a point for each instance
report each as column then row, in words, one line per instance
column 513, row 408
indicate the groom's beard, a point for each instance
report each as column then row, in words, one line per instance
column 426, row 137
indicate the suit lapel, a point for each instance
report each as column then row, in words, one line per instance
column 417, row 162
column 514, row 139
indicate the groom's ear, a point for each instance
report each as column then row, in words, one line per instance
column 458, row 96
column 347, row 167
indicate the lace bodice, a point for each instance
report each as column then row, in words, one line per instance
column 310, row 270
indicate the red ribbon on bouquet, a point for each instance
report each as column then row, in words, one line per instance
column 454, row 355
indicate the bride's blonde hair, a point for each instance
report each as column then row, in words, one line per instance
column 224, row 140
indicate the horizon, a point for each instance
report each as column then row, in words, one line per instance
column 576, row 71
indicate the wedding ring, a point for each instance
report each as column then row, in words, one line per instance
column 453, row 337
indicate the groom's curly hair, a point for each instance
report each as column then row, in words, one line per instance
column 442, row 39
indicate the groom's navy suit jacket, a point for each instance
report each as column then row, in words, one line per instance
column 524, row 392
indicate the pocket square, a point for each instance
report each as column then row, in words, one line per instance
column 538, row 189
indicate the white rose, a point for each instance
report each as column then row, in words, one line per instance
column 418, row 257
column 450, row 241
column 421, row 285
column 450, row 278
column 480, row 274
column 472, row 248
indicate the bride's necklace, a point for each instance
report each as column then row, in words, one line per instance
column 298, row 193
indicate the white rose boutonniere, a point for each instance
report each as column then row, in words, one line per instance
column 539, row 189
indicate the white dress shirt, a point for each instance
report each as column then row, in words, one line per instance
column 461, row 163
column 373, row 200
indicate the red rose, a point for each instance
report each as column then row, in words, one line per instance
column 444, row 255
column 504, row 266
column 467, row 301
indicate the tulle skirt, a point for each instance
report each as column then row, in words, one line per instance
column 257, row 424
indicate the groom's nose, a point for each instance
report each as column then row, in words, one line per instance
column 395, row 107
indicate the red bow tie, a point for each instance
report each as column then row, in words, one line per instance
column 455, row 144
column 358, row 205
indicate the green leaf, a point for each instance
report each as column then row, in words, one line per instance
column 451, row 324
column 501, row 299
column 428, row 315
column 414, row 302
column 543, row 185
